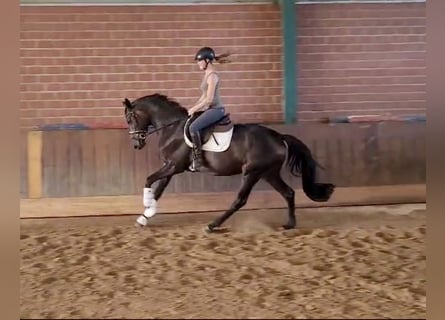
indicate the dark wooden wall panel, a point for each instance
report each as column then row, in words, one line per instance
column 103, row 162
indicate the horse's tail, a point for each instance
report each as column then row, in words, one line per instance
column 301, row 163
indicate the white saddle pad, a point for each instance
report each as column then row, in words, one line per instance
column 218, row 142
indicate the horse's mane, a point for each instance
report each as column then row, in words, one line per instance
column 162, row 100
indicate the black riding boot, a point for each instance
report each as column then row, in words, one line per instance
column 196, row 163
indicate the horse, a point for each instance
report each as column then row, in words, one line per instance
column 253, row 151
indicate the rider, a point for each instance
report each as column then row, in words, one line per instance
column 210, row 100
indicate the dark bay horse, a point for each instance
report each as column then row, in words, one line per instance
column 256, row 152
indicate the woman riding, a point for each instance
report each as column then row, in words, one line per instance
column 210, row 101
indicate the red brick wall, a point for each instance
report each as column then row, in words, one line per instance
column 361, row 59
column 79, row 62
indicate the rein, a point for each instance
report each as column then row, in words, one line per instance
column 148, row 132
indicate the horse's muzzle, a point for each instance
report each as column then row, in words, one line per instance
column 139, row 139
column 139, row 146
column 138, row 143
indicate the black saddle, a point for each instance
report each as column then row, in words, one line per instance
column 222, row 125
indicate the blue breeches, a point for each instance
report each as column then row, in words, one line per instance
column 209, row 117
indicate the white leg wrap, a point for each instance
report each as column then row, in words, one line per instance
column 148, row 197
column 150, row 205
column 150, row 211
column 142, row 220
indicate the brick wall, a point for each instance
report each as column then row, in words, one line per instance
column 79, row 62
column 361, row 59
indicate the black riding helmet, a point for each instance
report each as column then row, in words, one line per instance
column 205, row 53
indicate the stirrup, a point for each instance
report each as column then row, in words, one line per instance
column 193, row 166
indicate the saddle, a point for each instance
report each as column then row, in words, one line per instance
column 223, row 125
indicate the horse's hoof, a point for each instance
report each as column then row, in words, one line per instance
column 208, row 229
column 141, row 221
column 288, row 226
column 138, row 225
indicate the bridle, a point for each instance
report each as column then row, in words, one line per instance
column 142, row 134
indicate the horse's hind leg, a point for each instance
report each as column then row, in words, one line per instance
column 248, row 182
column 275, row 180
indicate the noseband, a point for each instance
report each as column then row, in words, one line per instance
column 139, row 134
column 142, row 134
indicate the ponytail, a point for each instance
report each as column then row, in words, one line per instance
column 222, row 58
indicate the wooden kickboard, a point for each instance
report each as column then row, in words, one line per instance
column 204, row 202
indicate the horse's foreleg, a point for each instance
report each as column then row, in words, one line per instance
column 151, row 197
column 248, row 182
column 159, row 190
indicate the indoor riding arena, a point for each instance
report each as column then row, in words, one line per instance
column 347, row 78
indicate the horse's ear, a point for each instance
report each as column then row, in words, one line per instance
column 127, row 103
